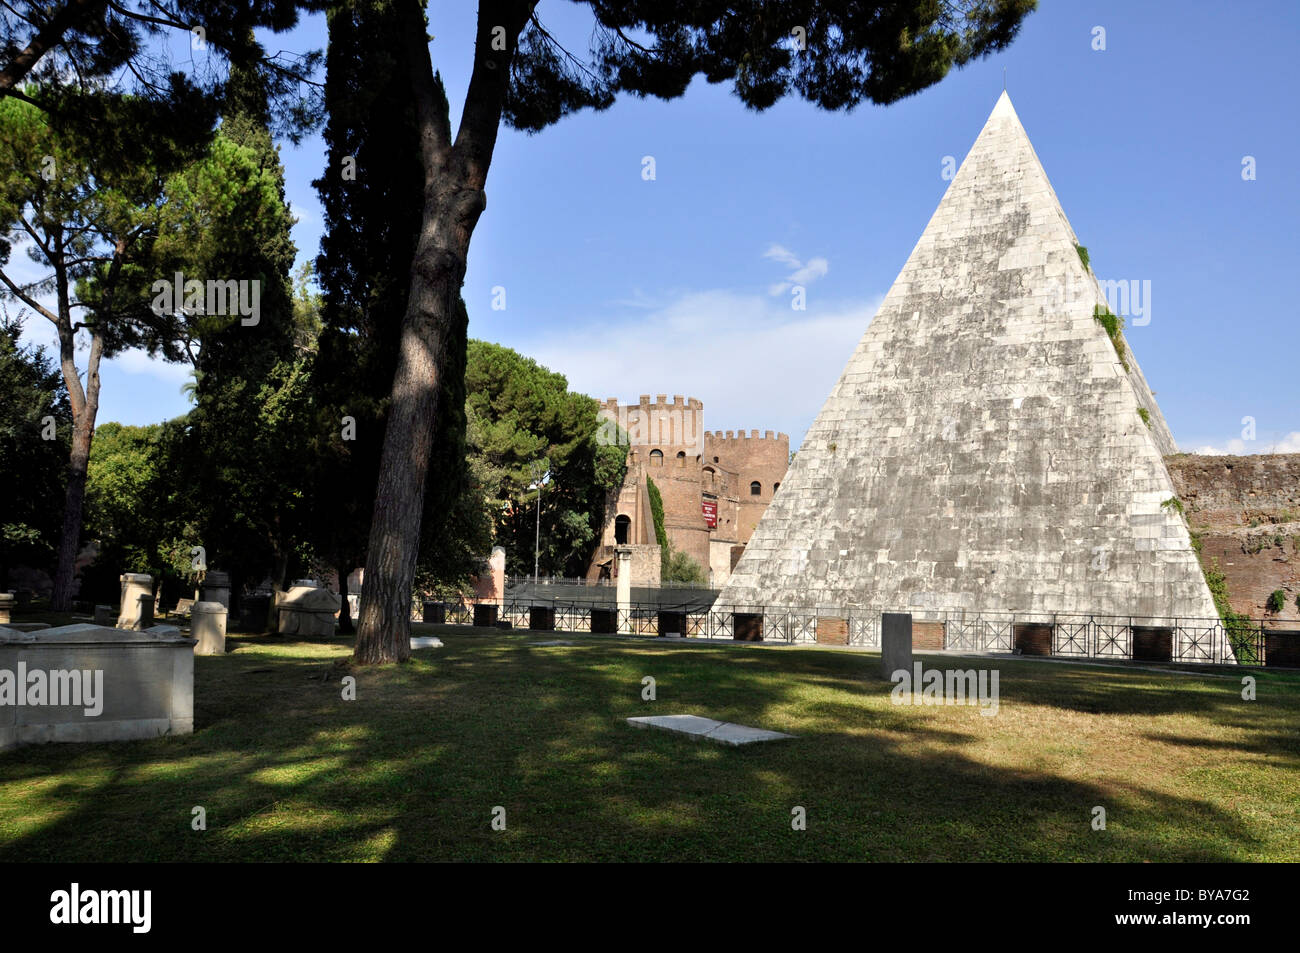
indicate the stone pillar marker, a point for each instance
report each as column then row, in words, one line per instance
column 136, row 611
column 208, row 628
column 895, row 643
column 216, row 587
column 624, row 587
column 6, row 605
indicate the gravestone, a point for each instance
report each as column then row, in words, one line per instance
column 208, row 628
column 216, row 587
column 7, row 601
column 183, row 607
column 895, row 643
column 136, row 612
column 604, row 621
column 485, row 614
column 104, row 615
column 435, row 612
column 698, row 728
column 307, row 611
column 541, row 618
column 115, row 685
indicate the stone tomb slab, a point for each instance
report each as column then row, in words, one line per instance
column 426, row 642
column 709, row 729
column 551, row 642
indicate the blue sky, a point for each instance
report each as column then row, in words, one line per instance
column 673, row 286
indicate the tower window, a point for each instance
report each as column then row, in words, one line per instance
column 621, row 525
column 656, row 458
column 756, row 489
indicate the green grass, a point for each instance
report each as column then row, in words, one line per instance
column 412, row 769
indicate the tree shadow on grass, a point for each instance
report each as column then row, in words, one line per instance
column 415, row 766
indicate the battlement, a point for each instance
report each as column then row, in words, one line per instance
column 718, row 436
column 661, row 403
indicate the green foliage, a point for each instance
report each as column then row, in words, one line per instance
column 1083, row 256
column 657, row 515
column 1239, row 629
column 1146, row 416
column 1114, row 325
column 680, row 567
column 1276, row 601
column 517, row 412
column 137, row 510
column 1175, row 504
column 854, row 54
column 31, row 467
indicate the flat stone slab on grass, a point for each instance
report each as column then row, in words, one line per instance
column 426, row 642
column 695, row 727
column 552, row 642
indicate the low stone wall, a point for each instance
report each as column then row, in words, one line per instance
column 90, row 683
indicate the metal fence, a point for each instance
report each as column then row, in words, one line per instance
column 1060, row 635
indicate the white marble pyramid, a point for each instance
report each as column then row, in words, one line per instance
column 986, row 448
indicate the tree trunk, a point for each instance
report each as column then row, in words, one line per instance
column 454, row 177
column 85, row 406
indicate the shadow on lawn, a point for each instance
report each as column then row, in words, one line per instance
column 413, row 769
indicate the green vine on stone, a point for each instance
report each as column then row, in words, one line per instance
column 1083, row 256
column 1114, row 325
column 1146, row 416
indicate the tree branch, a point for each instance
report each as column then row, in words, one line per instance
column 26, row 299
column 47, row 37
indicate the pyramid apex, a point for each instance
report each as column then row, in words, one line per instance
column 1003, row 108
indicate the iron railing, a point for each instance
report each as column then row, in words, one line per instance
column 1207, row 641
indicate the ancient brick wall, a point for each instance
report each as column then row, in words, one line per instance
column 1245, row 510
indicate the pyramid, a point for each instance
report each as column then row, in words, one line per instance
column 983, row 449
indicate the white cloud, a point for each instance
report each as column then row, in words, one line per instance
column 1237, row 447
column 753, row 362
column 782, row 254
column 138, row 362
column 801, row 274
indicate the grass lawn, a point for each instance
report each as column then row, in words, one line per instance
column 412, row 769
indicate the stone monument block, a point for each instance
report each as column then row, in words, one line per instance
column 208, row 628
column 7, row 601
column 216, row 587
column 134, row 615
column 485, row 614
column 307, row 611
column 604, row 621
column 435, row 612
column 104, row 615
column 895, row 643
column 101, row 684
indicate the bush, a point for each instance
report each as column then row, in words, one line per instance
column 680, row 567
column 1276, row 600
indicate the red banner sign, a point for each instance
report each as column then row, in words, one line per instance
column 710, row 510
